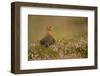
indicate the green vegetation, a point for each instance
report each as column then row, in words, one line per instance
column 62, row 49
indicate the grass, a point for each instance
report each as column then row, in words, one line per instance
column 62, row 49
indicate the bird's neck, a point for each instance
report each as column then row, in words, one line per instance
column 49, row 33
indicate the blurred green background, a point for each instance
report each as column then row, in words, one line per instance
column 62, row 27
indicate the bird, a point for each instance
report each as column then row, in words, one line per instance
column 48, row 39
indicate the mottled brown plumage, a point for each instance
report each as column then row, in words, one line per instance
column 48, row 39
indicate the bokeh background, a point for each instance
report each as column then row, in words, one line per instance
column 66, row 27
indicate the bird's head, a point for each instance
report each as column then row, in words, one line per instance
column 49, row 30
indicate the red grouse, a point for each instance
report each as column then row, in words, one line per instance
column 48, row 39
